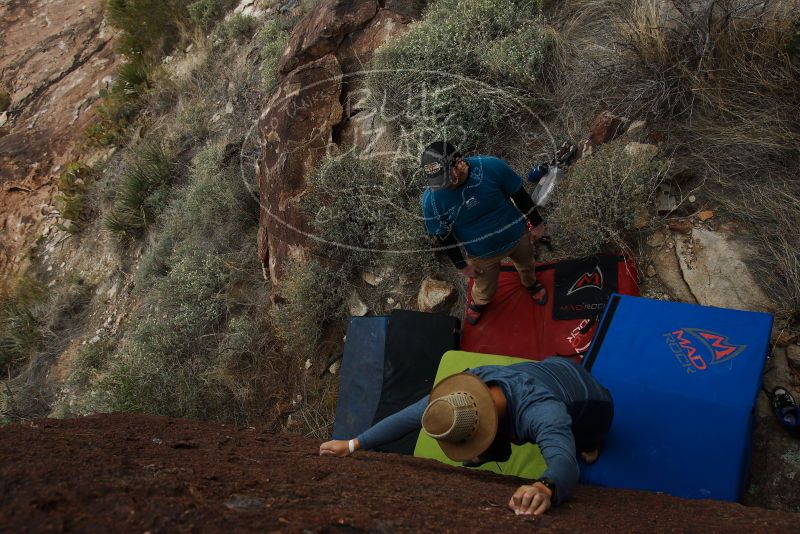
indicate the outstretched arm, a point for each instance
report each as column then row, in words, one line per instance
column 390, row 429
column 550, row 427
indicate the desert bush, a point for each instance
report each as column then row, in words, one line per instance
column 132, row 77
column 366, row 213
column 520, row 56
column 114, row 114
column 272, row 39
column 201, row 344
column 193, row 121
column 21, row 322
column 120, row 103
column 143, row 189
column 36, row 324
column 445, row 78
column 213, row 210
column 238, row 27
column 313, row 296
column 599, row 201
column 73, row 185
column 206, row 13
column 159, row 369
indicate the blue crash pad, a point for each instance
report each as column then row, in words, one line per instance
column 684, row 379
column 360, row 377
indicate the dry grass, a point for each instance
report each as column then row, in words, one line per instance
column 718, row 81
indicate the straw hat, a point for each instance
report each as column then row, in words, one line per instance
column 461, row 416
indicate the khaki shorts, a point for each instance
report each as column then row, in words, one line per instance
column 486, row 283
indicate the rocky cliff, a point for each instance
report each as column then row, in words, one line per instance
column 312, row 110
column 55, row 57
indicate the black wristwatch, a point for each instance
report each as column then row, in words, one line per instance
column 549, row 484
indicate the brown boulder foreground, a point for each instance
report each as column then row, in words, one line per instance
column 137, row 473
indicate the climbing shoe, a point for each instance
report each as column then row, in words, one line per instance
column 785, row 407
column 533, row 290
column 473, row 313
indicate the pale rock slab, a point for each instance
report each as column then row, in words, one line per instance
column 714, row 268
column 434, row 295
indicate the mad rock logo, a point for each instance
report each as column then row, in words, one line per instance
column 591, row 279
column 697, row 349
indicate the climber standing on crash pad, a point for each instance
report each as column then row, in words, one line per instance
column 478, row 203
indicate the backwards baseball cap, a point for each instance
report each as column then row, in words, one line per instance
column 437, row 160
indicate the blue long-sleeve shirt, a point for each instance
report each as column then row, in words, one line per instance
column 480, row 213
column 539, row 395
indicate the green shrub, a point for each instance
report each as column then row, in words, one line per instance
column 214, row 210
column 313, row 297
column 21, row 322
column 442, row 78
column 5, row 100
column 73, row 185
column 367, row 214
column 149, row 28
column 193, row 119
column 519, row 56
column 238, row 27
column 143, row 190
column 206, row 13
column 598, row 202
column 132, row 78
column 170, row 339
column 114, row 114
column 120, row 103
column 200, row 346
column 272, row 39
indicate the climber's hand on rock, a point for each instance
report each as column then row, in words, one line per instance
column 530, row 500
column 336, row 447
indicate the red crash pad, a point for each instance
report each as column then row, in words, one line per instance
column 513, row 325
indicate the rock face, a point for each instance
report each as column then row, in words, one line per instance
column 323, row 30
column 435, row 295
column 138, row 473
column 714, row 269
column 606, row 127
column 53, row 56
column 312, row 107
column 295, row 132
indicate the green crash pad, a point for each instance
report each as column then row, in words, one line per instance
column 526, row 461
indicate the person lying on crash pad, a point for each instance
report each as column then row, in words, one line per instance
column 477, row 414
